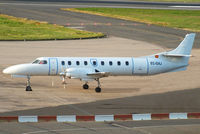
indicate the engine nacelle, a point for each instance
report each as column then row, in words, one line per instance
column 79, row 73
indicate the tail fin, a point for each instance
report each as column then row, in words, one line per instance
column 179, row 57
column 185, row 47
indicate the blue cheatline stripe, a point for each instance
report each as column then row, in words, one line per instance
column 49, row 66
column 147, row 65
column 57, row 65
column 132, row 65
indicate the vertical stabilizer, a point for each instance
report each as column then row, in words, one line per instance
column 185, row 46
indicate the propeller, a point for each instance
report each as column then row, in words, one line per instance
column 63, row 75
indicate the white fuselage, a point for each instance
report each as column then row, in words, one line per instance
column 116, row 66
column 94, row 68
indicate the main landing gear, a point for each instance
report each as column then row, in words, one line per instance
column 98, row 89
column 85, row 86
column 28, row 84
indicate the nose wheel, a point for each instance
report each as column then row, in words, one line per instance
column 28, row 84
column 28, row 88
column 98, row 89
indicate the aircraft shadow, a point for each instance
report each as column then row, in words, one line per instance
column 177, row 101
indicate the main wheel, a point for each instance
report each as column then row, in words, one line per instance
column 28, row 88
column 85, row 86
column 98, row 89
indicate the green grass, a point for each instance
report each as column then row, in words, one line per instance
column 180, row 19
column 12, row 28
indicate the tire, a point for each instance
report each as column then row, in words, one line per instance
column 85, row 86
column 28, row 88
column 98, row 89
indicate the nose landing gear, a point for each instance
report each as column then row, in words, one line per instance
column 28, row 84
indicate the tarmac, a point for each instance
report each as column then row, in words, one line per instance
column 170, row 92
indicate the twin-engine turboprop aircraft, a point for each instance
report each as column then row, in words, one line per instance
column 93, row 68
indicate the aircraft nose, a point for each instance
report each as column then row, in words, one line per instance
column 12, row 69
column 20, row 69
column 7, row 70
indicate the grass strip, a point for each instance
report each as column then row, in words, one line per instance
column 180, row 19
column 12, row 28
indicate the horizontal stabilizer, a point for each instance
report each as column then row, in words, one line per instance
column 175, row 55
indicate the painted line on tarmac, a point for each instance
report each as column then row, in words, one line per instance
column 121, row 126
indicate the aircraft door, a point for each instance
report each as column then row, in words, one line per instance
column 53, row 66
column 140, row 66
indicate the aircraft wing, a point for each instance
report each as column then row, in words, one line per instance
column 99, row 74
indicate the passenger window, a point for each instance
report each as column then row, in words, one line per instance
column 77, row 63
column 69, row 63
column 118, row 63
column 63, row 63
column 110, row 63
column 127, row 63
column 85, row 63
column 94, row 63
column 102, row 63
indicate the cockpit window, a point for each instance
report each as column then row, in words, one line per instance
column 43, row 62
column 36, row 61
column 40, row 62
